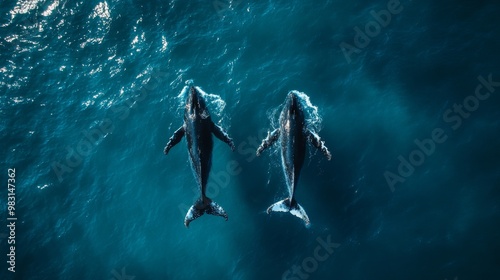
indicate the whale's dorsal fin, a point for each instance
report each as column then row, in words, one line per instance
column 222, row 135
column 270, row 139
column 315, row 140
column 175, row 139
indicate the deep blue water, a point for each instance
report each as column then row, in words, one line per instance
column 89, row 99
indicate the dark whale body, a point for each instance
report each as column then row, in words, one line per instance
column 293, row 135
column 198, row 128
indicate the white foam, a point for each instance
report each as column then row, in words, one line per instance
column 51, row 8
column 313, row 118
column 214, row 102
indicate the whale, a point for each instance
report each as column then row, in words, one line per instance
column 293, row 135
column 198, row 128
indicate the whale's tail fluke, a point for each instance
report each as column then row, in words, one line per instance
column 202, row 206
column 293, row 207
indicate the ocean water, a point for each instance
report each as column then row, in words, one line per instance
column 89, row 98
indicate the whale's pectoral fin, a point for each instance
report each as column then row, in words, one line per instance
column 294, row 208
column 223, row 136
column 175, row 139
column 270, row 139
column 204, row 206
column 320, row 145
